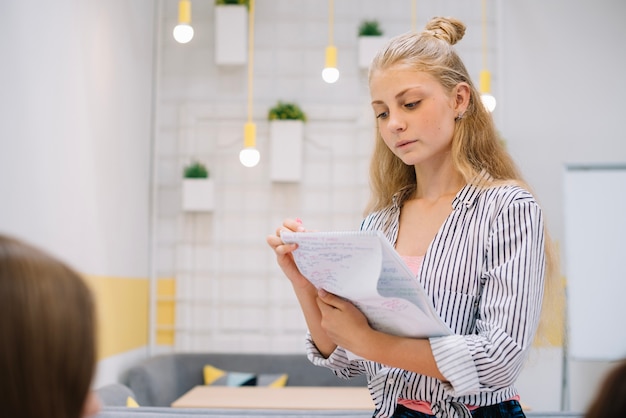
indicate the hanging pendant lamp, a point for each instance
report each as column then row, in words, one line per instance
column 330, row 73
column 250, row 156
column 183, row 32
column 485, row 75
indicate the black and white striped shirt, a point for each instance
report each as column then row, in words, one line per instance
column 484, row 272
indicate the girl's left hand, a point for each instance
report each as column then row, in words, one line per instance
column 343, row 322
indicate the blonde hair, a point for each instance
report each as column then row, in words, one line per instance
column 47, row 329
column 476, row 145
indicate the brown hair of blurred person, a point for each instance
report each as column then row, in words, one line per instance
column 610, row 400
column 47, row 335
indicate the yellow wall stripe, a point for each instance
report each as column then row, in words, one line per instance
column 123, row 306
column 166, row 311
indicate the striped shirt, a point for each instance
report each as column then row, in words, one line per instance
column 484, row 273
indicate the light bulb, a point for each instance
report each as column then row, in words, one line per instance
column 330, row 75
column 183, row 33
column 488, row 101
column 249, row 157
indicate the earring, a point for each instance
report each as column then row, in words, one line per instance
column 459, row 117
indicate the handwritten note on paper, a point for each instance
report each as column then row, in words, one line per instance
column 364, row 268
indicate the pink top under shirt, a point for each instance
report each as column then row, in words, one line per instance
column 414, row 263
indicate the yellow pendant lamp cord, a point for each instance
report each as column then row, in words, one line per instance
column 331, row 21
column 484, row 28
column 485, row 75
column 250, row 58
column 331, row 49
column 249, row 130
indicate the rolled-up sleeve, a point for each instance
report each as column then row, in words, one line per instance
column 338, row 361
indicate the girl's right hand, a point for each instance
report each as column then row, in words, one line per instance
column 283, row 252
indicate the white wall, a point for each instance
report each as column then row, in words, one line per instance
column 75, row 132
column 561, row 102
column 75, row 123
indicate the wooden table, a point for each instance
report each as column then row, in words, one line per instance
column 289, row 397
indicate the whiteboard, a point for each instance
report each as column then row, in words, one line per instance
column 595, row 261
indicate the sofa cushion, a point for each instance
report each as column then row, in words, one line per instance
column 218, row 377
column 272, row 380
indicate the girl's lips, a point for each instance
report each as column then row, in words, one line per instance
column 403, row 143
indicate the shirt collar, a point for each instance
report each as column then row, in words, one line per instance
column 469, row 193
column 466, row 196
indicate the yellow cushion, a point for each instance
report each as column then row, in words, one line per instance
column 131, row 403
column 212, row 374
column 280, row 382
column 218, row 377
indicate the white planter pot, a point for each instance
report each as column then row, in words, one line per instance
column 198, row 195
column 286, row 143
column 231, row 34
column 368, row 47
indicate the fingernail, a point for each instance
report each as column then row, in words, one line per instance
column 299, row 220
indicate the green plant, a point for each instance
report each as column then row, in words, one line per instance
column 284, row 110
column 195, row 170
column 243, row 2
column 370, row 28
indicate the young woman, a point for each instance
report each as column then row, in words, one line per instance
column 47, row 330
column 449, row 198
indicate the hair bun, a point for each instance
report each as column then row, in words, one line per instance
column 447, row 29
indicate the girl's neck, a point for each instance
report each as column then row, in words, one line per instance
column 435, row 184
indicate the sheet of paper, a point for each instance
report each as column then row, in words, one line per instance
column 363, row 267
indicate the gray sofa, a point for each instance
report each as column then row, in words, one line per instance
column 160, row 380
column 114, row 394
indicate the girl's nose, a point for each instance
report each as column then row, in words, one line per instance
column 396, row 124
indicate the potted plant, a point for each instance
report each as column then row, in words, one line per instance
column 231, row 32
column 198, row 188
column 370, row 39
column 370, row 28
column 286, row 141
column 195, row 170
column 236, row 2
column 286, row 111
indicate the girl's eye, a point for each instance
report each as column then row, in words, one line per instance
column 382, row 115
column 412, row 105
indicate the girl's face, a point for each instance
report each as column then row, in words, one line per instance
column 415, row 115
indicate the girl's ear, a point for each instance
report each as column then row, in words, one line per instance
column 461, row 97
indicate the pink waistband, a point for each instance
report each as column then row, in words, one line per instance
column 424, row 407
